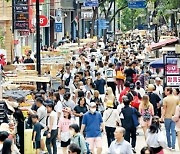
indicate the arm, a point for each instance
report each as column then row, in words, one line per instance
column 51, row 120
column 152, row 110
column 176, row 116
column 34, row 135
column 82, row 128
column 76, row 114
column 164, row 109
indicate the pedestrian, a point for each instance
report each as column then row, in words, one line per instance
column 146, row 150
column 74, row 149
column 57, row 104
column 176, row 119
column 169, row 106
column 99, row 103
column 36, row 136
column 77, row 138
column 111, row 77
column 42, row 114
column 153, row 98
column 92, row 123
column 109, row 95
column 139, row 89
column 100, row 85
column 146, row 110
column 124, row 91
column 63, row 131
column 68, row 102
column 111, row 120
column 128, row 122
column 120, row 145
column 130, row 73
column 80, row 109
column 155, row 138
column 51, row 130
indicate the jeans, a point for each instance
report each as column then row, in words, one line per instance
column 170, row 130
column 131, row 133
column 52, row 140
column 110, row 134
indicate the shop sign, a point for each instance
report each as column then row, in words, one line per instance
column 22, row 17
column 173, row 80
column 21, row 25
column 40, row 1
column 21, row 8
column 43, row 20
column 24, row 33
column 21, row 1
column 172, row 69
column 87, row 15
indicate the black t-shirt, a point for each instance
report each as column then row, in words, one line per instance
column 154, row 99
column 78, row 109
column 28, row 61
column 129, row 72
column 37, row 129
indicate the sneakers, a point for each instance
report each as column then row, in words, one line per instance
column 133, row 149
column 173, row 149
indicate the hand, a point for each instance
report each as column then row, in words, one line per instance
column 59, row 137
column 34, row 140
column 49, row 135
column 161, row 119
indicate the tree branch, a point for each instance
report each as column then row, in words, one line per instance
column 117, row 11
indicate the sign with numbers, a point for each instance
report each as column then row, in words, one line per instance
column 173, row 80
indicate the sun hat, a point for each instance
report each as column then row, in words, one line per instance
column 66, row 109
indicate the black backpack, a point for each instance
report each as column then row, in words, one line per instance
column 3, row 112
column 67, row 81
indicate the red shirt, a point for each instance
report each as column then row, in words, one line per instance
column 123, row 93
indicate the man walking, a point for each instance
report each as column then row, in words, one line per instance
column 120, row 145
column 92, row 123
column 169, row 105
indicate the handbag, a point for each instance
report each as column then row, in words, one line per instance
column 135, row 102
column 135, row 118
column 120, row 75
column 65, row 136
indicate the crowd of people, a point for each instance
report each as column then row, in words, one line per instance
column 105, row 91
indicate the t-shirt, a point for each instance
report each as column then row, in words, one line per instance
column 170, row 102
column 42, row 112
column 78, row 109
column 92, row 124
column 110, row 74
column 53, row 115
column 58, row 107
column 28, row 61
column 37, row 129
column 69, row 104
column 64, row 124
column 100, row 85
column 129, row 72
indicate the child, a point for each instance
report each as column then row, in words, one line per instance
column 36, row 136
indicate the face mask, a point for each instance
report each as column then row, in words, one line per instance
column 93, row 110
column 72, row 132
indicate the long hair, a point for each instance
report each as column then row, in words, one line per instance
column 145, row 101
column 7, row 147
column 155, row 125
column 56, row 95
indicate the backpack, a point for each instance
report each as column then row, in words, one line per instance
column 67, row 81
column 146, row 115
column 3, row 112
column 135, row 102
column 120, row 75
column 87, row 146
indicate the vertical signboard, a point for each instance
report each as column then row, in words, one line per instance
column 171, row 69
column 21, row 15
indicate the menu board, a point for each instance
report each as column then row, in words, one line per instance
column 21, row 15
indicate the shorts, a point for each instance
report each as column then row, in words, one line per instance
column 36, row 145
column 65, row 144
column 94, row 142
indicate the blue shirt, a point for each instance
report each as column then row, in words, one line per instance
column 92, row 124
column 100, row 85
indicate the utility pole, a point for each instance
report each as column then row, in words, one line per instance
column 156, row 29
column 114, row 20
column 38, row 56
column 97, row 26
column 78, row 14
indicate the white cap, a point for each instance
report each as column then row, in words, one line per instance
column 157, row 79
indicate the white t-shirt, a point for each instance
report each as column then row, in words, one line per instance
column 110, row 74
column 65, row 76
column 42, row 112
column 53, row 114
column 58, row 107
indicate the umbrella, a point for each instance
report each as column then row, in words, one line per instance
column 158, row 63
